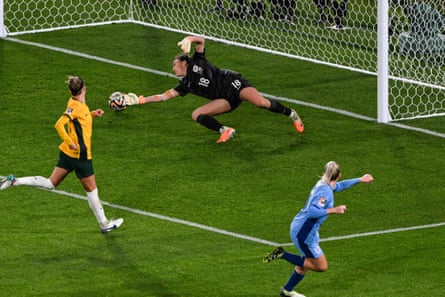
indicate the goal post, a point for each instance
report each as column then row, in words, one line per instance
column 383, row 115
column 402, row 42
column 2, row 25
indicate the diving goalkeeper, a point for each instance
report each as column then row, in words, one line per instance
column 225, row 89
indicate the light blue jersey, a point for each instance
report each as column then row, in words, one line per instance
column 305, row 225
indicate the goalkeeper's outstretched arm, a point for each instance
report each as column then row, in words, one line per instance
column 159, row 97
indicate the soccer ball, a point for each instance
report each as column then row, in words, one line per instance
column 116, row 101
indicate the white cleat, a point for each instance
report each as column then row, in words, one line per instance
column 284, row 293
column 112, row 224
column 7, row 181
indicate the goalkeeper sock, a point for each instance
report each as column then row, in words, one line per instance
column 209, row 122
column 96, row 207
column 279, row 108
column 34, row 181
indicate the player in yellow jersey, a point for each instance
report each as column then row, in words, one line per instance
column 75, row 128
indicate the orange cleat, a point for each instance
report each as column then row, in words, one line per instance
column 226, row 135
column 298, row 123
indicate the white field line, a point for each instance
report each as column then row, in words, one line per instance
column 216, row 230
column 157, row 72
column 171, row 219
column 237, row 235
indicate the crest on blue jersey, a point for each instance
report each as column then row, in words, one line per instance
column 322, row 202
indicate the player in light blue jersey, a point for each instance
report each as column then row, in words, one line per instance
column 306, row 223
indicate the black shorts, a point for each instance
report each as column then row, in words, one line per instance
column 82, row 168
column 234, row 83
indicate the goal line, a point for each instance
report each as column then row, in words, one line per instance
column 162, row 73
column 401, row 42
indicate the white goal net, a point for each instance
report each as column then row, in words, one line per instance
column 339, row 33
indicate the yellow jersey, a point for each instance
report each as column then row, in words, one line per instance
column 76, row 126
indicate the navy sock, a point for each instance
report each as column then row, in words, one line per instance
column 293, row 258
column 294, row 279
column 209, row 122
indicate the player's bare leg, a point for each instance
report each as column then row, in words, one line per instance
column 252, row 95
column 204, row 115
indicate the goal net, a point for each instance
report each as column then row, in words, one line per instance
column 338, row 33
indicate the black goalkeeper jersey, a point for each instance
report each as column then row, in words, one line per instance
column 206, row 80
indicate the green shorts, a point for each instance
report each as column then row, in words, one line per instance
column 82, row 168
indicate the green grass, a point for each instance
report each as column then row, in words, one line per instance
column 154, row 158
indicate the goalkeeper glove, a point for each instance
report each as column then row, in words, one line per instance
column 185, row 45
column 130, row 99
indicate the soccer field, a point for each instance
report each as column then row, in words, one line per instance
column 199, row 216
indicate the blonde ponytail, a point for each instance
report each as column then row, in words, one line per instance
column 331, row 172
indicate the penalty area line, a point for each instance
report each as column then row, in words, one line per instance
column 237, row 235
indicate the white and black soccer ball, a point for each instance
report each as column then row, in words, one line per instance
column 116, row 101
